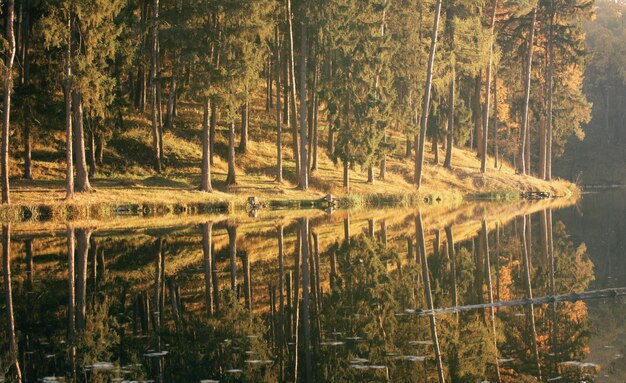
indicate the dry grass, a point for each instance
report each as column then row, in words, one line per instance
column 127, row 177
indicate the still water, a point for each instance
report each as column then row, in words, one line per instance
column 461, row 295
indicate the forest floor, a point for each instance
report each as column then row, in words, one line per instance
column 127, row 177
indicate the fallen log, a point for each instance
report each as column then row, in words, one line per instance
column 571, row 297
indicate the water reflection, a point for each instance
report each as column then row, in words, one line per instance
column 339, row 298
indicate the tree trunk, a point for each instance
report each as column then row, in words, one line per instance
column 205, row 182
column 231, row 179
column 304, row 45
column 542, row 148
column 477, row 114
column 428, row 293
column 409, row 150
column 8, row 88
column 550, row 99
column 101, row 142
column 383, row 163
column 435, row 149
column 247, row 286
column 232, row 249
column 521, row 165
column 14, row 369
column 483, row 162
column 243, row 140
column 69, row 156
column 171, row 98
column 71, row 315
column 212, row 127
column 281, row 283
column 346, row 175
column 92, row 149
column 421, row 139
column 293, row 100
column 450, row 136
column 82, row 248
column 304, row 249
column 28, row 165
column 316, row 106
column 279, row 132
column 82, row 184
column 153, row 90
column 496, row 154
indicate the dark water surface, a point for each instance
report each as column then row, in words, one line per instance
column 344, row 298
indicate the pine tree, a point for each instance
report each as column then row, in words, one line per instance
column 8, row 88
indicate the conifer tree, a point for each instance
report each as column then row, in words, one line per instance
column 8, row 88
column 421, row 139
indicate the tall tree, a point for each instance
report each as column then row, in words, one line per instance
column 8, row 88
column 521, row 161
column 487, row 109
column 421, row 139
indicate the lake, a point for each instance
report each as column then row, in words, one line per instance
column 531, row 291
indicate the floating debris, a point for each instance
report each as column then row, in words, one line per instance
column 253, row 361
column 332, row 344
column 102, row 366
column 156, row 354
column 355, row 338
column 51, row 379
column 411, row 358
column 358, row 361
column 377, row 367
column 234, row 371
column 505, row 360
column 555, row 378
column 209, row 381
column 579, row 364
column 617, row 356
column 360, row 367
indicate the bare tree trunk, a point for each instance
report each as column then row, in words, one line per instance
column 205, row 183
column 28, row 164
column 243, row 140
column 82, row 241
column 304, row 45
column 232, row 249
column 304, row 249
column 14, row 370
column 477, row 113
column 71, row 315
column 231, row 179
column 346, row 175
column 292, row 83
column 316, row 105
column 153, row 89
column 212, row 127
column 451, row 99
column 92, row 149
column 496, row 154
column 527, row 77
column 279, row 132
column 548, row 175
column 82, row 184
column 370, row 175
column 69, row 156
column 483, row 162
column 428, row 293
column 421, row 138
column 8, row 88
column 383, row 163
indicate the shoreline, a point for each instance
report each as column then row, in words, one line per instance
column 108, row 202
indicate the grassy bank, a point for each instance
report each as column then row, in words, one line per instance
column 126, row 185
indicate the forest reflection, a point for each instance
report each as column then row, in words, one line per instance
column 335, row 298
